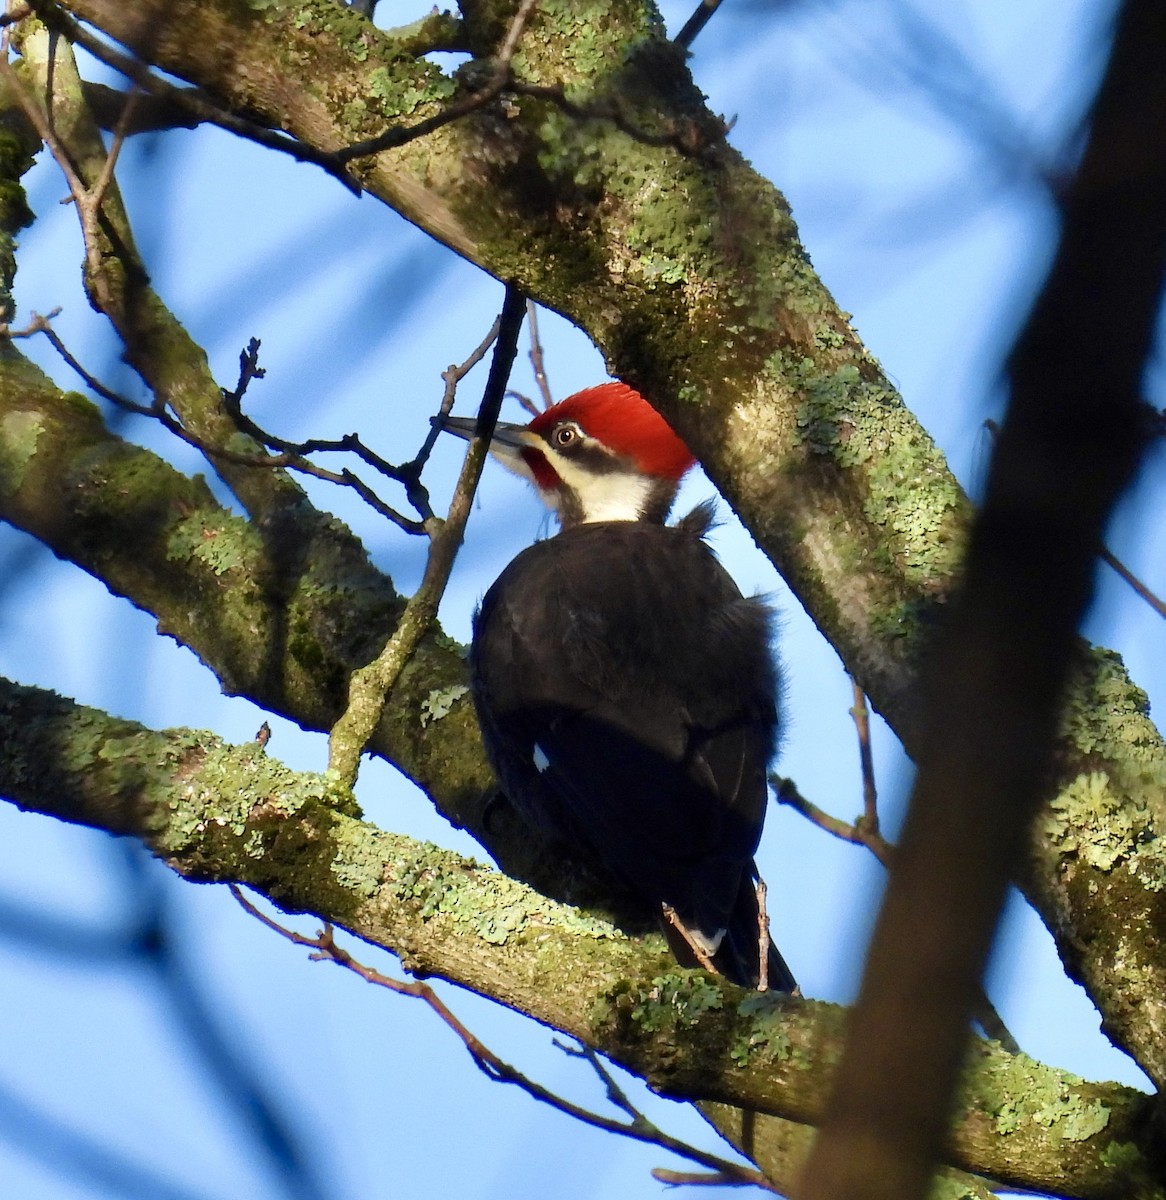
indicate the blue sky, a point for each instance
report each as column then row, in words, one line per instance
column 911, row 154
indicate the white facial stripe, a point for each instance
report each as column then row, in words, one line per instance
column 610, row 496
column 613, row 496
column 540, row 760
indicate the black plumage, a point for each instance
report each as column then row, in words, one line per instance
column 627, row 696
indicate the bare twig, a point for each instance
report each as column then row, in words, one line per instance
column 536, row 355
column 193, row 100
column 369, row 687
column 500, row 79
column 699, row 19
column 293, row 459
column 864, row 831
column 35, row 325
column 42, row 122
column 1150, row 598
column 40, row 324
column 645, row 1130
column 786, row 792
column 293, row 455
column 870, row 796
column 324, row 947
column 452, row 376
column 701, row 955
column 700, row 1178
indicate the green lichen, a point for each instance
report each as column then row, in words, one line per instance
column 19, row 433
column 763, row 1036
column 358, row 864
column 1106, row 715
column 847, row 414
column 828, row 337
column 439, row 703
column 1105, row 827
column 1072, row 1119
column 574, row 43
column 675, row 1000
column 493, row 906
column 1109, row 814
column 1123, row 1158
column 1018, row 1092
column 234, row 783
column 222, row 542
column 403, row 87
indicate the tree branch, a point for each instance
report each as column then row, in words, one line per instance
column 997, row 678
column 369, row 687
column 214, row 812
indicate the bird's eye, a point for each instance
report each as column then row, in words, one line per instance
column 565, row 435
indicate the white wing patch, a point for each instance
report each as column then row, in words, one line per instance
column 710, row 945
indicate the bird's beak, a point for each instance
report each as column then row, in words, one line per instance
column 506, row 445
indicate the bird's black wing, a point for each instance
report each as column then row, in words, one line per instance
column 626, row 692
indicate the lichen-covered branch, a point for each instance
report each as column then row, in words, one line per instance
column 215, row 812
column 171, row 364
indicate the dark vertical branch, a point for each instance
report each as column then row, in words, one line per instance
column 1069, row 446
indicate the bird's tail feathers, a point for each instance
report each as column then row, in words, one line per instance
column 737, row 954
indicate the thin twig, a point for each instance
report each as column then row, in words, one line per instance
column 42, row 122
column 290, row 460
column 699, row 19
column 702, row 956
column 451, row 376
column 369, row 687
column 293, row 455
column 325, row 948
column 864, row 831
column 1152, row 600
column 700, row 1179
column 644, row 1129
column 786, row 792
column 101, row 185
column 870, row 796
column 500, row 79
column 37, row 324
column 194, row 100
column 536, row 355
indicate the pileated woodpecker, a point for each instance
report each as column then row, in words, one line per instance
column 625, row 688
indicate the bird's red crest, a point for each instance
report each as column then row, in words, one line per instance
column 620, row 418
